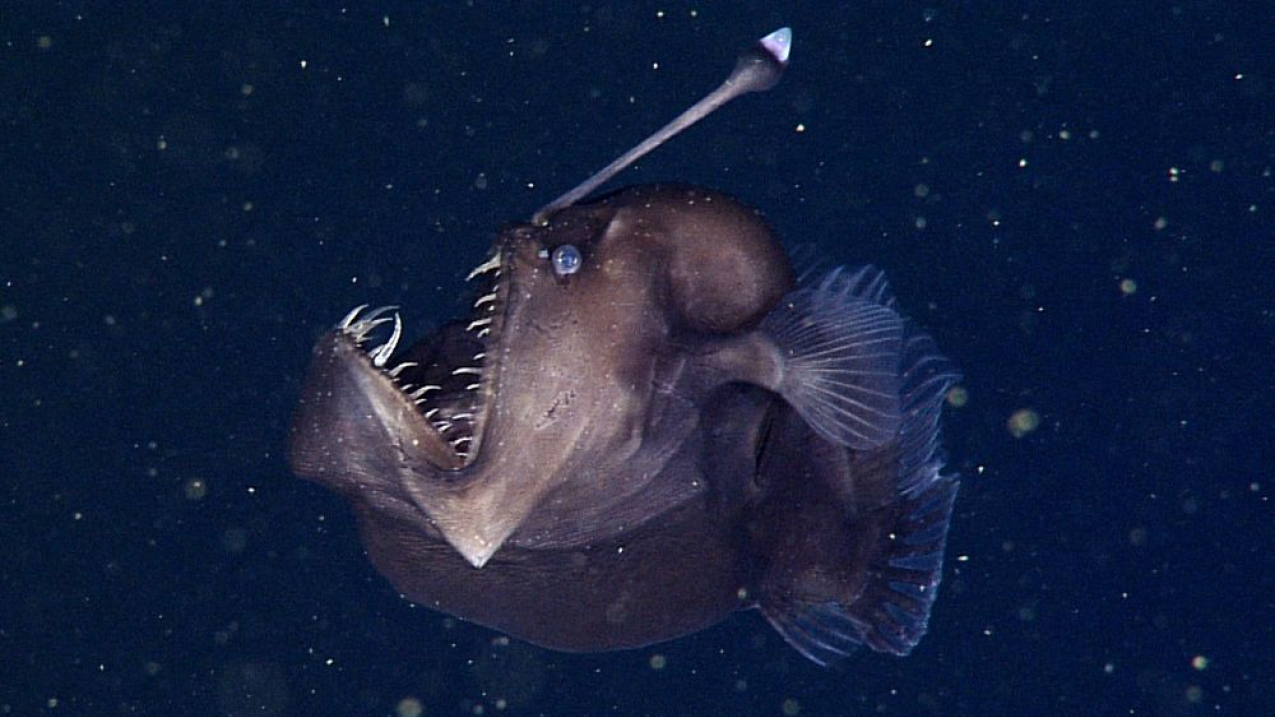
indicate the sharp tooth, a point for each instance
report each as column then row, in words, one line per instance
column 486, row 266
column 423, row 390
column 361, row 328
column 382, row 354
column 484, row 333
column 477, row 323
column 431, row 413
column 463, row 417
column 473, row 387
column 394, row 372
column 485, row 299
column 472, row 370
column 349, row 318
column 377, row 313
column 463, row 439
column 480, row 355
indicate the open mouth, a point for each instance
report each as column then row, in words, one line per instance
column 450, row 374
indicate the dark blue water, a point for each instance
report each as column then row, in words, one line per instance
column 1075, row 200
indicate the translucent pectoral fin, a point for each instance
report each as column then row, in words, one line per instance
column 840, row 344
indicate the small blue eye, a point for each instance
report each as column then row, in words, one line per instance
column 566, row 260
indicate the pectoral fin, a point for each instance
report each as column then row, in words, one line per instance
column 839, row 344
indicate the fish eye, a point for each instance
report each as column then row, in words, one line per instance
column 566, row 260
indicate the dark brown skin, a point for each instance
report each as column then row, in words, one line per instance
column 633, row 474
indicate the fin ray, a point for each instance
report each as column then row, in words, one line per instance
column 887, row 600
column 841, row 342
column 892, row 612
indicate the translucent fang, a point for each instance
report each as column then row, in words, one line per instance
column 473, row 387
column 477, row 323
column 349, row 318
column 484, row 332
column 471, row 370
column 394, row 372
column 431, row 413
column 422, row 391
column 377, row 313
column 486, row 266
column 381, row 355
column 363, row 327
column 485, row 299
